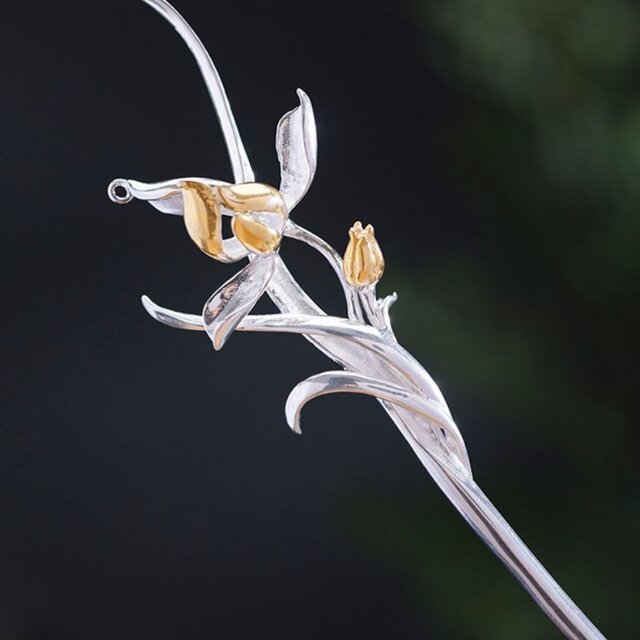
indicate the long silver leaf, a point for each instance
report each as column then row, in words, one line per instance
column 364, row 340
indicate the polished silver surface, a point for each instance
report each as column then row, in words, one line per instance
column 297, row 147
column 362, row 343
column 242, row 171
column 230, row 304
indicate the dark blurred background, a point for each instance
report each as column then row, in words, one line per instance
column 149, row 487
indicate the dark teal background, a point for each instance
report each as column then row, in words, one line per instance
column 150, row 488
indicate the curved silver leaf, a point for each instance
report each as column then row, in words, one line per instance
column 348, row 382
column 362, row 338
column 297, row 146
column 228, row 306
column 357, row 340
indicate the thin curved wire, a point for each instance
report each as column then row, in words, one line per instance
column 296, row 232
column 242, row 171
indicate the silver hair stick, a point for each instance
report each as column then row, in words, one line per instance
column 362, row 344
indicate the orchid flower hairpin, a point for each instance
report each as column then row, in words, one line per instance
column 362, row 344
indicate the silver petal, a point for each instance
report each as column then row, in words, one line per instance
column 164, row 196
column 297, row 146
column 228, row 306
column 173, row 319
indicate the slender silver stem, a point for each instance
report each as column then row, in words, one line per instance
column 292, row 230
column 358, row 348
column 242, row 171
column 486, row 521
column 375, row 310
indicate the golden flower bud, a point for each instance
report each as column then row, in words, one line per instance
column 363, row 264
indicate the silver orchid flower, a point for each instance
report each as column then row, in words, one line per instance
column 259, row 218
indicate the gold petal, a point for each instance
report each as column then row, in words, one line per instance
column 202, row 217
column 251, row 197
column 255, row 235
